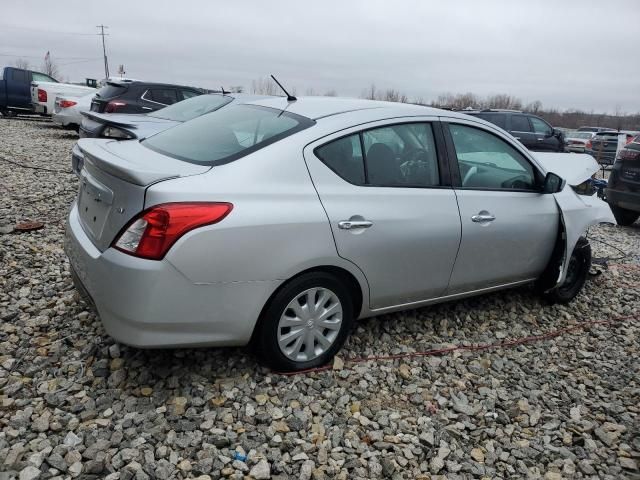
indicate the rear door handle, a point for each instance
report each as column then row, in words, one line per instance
column 352, row 224
column 484, row 217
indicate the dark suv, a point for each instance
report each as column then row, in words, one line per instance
column 533, row 132
column 139, row 97
column 623, row 187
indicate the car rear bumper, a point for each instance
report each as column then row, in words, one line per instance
column 63, row 118
column 626, row 200
column 148, row 303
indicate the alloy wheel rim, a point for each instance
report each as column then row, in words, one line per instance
column 310, row 324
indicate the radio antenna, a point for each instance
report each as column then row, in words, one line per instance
column 290, row 98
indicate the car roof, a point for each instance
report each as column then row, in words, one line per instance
column 316, row 108
column 150, row 84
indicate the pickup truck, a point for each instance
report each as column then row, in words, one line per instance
column 43, row 94
column 15, row 94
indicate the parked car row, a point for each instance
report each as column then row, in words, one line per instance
column 623, row 188
column 277, row 222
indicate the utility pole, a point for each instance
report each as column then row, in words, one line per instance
column 104, row 50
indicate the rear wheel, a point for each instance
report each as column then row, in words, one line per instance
column 577, row 272
column 623, row 216
column 305, row 323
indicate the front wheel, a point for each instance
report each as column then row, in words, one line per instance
column 577, row 272
column 305, row 324
column 623, row 216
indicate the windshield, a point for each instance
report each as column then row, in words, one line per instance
column 111, row 90
column 191, row 108
column 227, row 135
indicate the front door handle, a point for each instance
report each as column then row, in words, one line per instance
column 352, row 224
column 483, row 217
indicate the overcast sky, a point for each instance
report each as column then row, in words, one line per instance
column 566, row 53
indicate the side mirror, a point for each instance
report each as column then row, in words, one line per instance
column 551, row 133
column 553, row 183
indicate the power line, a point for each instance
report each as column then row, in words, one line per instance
column 44, row 31
column 40, row 56
column 104, row 50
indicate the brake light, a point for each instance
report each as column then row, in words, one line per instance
column 628, row 154
column 151, row 234
column 113, row 106
column 67, row 103
column 42, row 95
column 589, row 144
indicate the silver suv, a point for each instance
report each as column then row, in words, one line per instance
column 278, row 223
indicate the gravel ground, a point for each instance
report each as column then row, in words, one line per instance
column 76, row 404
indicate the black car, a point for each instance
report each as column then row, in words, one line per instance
column 139, row 97
column 623, row 187
column 532, row 131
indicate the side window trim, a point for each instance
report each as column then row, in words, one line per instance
column 444, row 174
column 456, row 179
column 143, row 97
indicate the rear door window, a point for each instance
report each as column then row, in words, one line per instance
column 495, row 118
column 520, row 123
column 402, row 155
column 165, row 96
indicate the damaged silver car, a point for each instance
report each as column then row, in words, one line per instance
column 279, row 222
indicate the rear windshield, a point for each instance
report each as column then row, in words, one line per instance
column 111, row 90
column 579, row 135
column 224, row 136
column 191, row 108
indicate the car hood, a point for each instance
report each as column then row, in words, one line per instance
column 575, row 168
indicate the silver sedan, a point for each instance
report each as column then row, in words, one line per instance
column 277, row 223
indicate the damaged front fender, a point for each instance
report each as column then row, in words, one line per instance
column 578, row 212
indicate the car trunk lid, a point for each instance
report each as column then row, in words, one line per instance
column 113, row 182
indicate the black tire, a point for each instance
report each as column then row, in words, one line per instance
column 623, row 216
column 577, row 272
column 265, row 337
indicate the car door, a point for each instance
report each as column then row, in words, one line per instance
column 19, row 89
column 390, row 206
column 509, row 228
column 521, row 129
column 545, row 139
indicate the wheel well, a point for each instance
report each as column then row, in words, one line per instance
column 345, row 276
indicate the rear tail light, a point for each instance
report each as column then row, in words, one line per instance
column 114, row 106
column 589, row 144
column 42, row 95
column 628, row 154
column 67, row 103
column 151, row 234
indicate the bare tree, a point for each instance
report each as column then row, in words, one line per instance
column 504, row 101
column 237, row 89
column 22, row 63
column 331, row 93
column 50, row 67
column 370, row 93
column 264, row 86
column 534, row 107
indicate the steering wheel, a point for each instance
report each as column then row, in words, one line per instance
column 521, row 182
column 470, row 173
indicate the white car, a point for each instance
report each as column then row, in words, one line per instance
column 67, row 111
column 43, row 94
